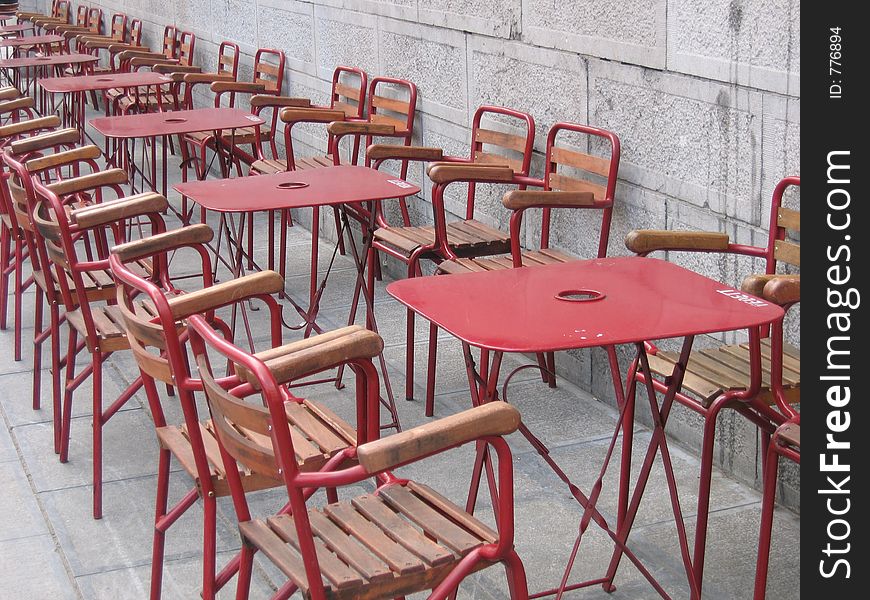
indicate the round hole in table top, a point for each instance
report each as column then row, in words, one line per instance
column 104, row 79
column 579, row 295
column 292, row 185
column 43, row 58
column 176, row 120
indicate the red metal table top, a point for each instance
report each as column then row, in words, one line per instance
column 50, row 60
column 106, row 81
column 32, row 40
column 325, row 186
column 16, row 28
column 174, row 122
column 516, row 310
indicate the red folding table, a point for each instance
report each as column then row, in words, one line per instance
column 312, row 188
column 39, row 66
column 596, row 303
column 149, row 126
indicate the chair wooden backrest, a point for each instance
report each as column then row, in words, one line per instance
column 270, row 73
column 170, row 42
column 399, row 113
column 492, row 147
column 228, row 59
column 60, row 9
column 783, row 246
column 346, row 97
column 135, row 32
column 118, row 28
column 185, row 47
column 95, row 20
column 82, row 16
column 571, row 170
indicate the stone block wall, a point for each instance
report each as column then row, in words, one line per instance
column 704, row 94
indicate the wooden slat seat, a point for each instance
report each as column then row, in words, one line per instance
column 531, row 258
column 317, row 435
column 466, row 238
column 714, row 371
column 402, row 540
column 99, row 284
column 243, row 135
column 268, row 166
column 109, row 324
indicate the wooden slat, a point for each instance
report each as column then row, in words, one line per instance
column 580, row 160
column 173, row 440
column 395, row 237
column 332, row 420
column 489, row 158
column 212, row 450
column 490, row 233
column 348, row 550
column 787, row 252
column 348, row 91
column 399, row 559
column 739, row 358
column 504, row 140
column 391, row 104
column 663, row 365
column 399, row 530
column 307, row 454
column 400, row 125
column 432, row 522
column 347, row 109
column 227, row 59
column 106, row 328
column 570, row 184
column 455, row 513
column 718, row 372
column 458, row 237
column 262, row 537
column 267, row 68
column 791, row 356
column 788, row 218
column 338, row 574
column 328, row 441
column 739, row 364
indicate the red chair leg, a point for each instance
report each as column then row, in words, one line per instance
column 5, row 255
column 243, row 586
column 37, row 354
column 97, row 381
column 56, row 393
column 159, row 532
column 66, row 418
column 767, row 503
column 209, row 547
column 516, row 576
column 430, row 375
column 409, row 357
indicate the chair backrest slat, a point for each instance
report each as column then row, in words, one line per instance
column 787, row 252
column 789, row 219
column 581, row 160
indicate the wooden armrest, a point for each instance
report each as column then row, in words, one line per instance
column 225, row 293
column 143, row 53
column 118, row 210
column 177, row 71
column 42, row 163
column 119, row 47
column 522, row 199
column 95, row 42
column 643, row 241
column 164, row 242
column 390, row 151
column 449, row 172
column 9, row 93
column 90, row 181
column 318, row 353
column 206, row 77
column 149, row 61
column 237, row 86
column 269, row 100
column 17, row 104
column 358, row 127
column 29, row 125
column 777, row 288
column 491, row 419
column 46, row 140
column 311, row 115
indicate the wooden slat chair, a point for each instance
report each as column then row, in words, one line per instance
column 14, row 252
column 494, row 157
column 91, row 43
column 145, row 99
column 59, row 11
column 157, row 344
column 267, row 79
column 132, row 42
column 85, row 284
column 93, row 27
column 572, row 180
column 786, row 440
column 21, row 199
column 402, row 539
column 714, row 375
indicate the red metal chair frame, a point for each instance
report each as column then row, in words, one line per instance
column 440, row 249
column 756, row 410
column 225, row 402
column 60, row 236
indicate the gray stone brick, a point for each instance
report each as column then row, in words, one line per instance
column 434, row 59
column 499, row 18
column 695, row 140
column 631, row 32
column 290, row 27
column 781, row 157
column 756, row 44
column 399, row 9
column 345, row 38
